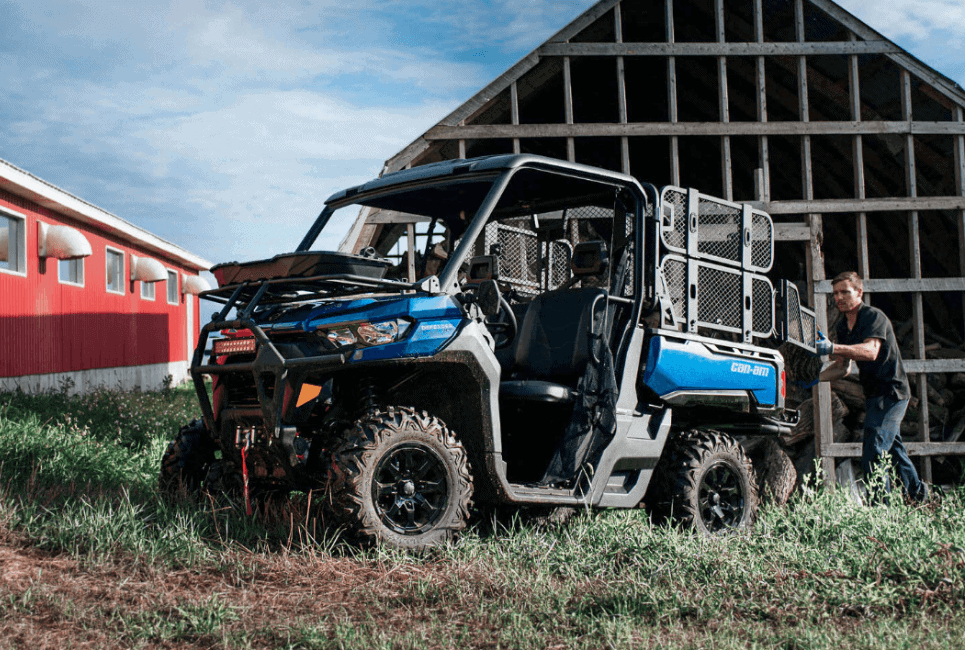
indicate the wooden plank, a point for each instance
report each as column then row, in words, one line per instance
column 792, row 232
column 568, row 107
column 903, row 285
column 514, row 111
column 933, row 365
column 825, row 206
column 718, row 49
column 410, row 247
column 853, row 449
column 602, row 129
column 391, row 216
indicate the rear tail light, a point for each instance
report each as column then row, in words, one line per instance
column 783, row 385
column 233, row 346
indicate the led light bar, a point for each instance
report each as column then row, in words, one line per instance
column 233, row 346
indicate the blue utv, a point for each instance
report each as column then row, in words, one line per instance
column 525, row 331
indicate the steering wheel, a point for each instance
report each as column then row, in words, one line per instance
column 502, row 325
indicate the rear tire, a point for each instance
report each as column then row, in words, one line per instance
column 713, row 488
column 401, row 478
column 776, row 474
column 185, row 464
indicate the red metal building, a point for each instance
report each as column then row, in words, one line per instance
column 86, row 298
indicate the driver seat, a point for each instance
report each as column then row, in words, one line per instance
column 553, row 346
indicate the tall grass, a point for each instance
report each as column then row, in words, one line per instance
column 78, row 476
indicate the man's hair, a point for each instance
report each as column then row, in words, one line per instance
column 849, row 276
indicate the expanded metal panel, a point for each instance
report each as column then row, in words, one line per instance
column 673, row 230
column 762, row 241
column 717, row 231
column 799, row 322
column 719, row 296
column 674, row 271
column 763, row 306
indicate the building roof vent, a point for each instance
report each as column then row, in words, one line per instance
column 146, row 269
column 61, row 242
column 193, row 284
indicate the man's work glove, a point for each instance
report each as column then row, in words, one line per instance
column 823, row 347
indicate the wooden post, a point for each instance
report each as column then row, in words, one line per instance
column 568, row 107
column 724, row 104
column 959, row 164
column 823, row 427
column 762, row 144
column 857, row 151
column 621, row 91
column 914, row 245
column 410, row 247
column 514, row 111
column 672, row 97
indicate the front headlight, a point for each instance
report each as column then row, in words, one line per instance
column 367, row 333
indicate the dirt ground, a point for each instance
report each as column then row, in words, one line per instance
column 48, row 600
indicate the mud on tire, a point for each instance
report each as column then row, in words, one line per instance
column 711, row 484
column 401, row 478
column 185, row 463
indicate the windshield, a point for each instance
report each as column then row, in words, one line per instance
column 534, row 229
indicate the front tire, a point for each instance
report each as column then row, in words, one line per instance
column 185, row 464
column 401, row 478
column 713, row 487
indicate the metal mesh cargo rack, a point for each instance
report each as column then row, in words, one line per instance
column 712, row 264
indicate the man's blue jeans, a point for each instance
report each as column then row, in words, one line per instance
column 882, row 435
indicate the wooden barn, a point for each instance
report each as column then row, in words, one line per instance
column 854, row 146
column 86, row 298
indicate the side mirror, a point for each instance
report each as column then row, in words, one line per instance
column 487, row 297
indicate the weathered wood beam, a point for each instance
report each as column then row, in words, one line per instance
column 718, row 49
column 824, row 206
column 914, row 254
column 853, row 449
column 903, row 285
column 621, row 90
column 605, row 129
column 568, row 108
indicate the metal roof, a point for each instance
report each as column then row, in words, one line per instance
column 24, row 184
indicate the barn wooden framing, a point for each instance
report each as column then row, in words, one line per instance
column 856, row 148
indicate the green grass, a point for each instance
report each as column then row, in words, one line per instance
column 78, row 481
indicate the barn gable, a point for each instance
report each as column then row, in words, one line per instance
column 853, row 145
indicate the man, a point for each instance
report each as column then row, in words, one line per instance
column 865, row 335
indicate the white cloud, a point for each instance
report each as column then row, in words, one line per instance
column 915, row 19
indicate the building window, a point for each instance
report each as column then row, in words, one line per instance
column 71, row 271
column 12, row 244
column 147, row 290
column 172, row 288
column 115, row 271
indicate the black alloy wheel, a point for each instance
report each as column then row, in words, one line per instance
column 409, row 490
column 721, row 498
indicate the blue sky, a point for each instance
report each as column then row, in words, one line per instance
column 222, row 126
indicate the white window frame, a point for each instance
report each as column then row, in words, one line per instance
column 122, row 278
column 172, row 274
column 144, row 287
column 83, row 272
column 22, row 243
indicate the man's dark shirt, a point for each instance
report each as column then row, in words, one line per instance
column 885, row 376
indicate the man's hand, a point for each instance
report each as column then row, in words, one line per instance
column 823, row 347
